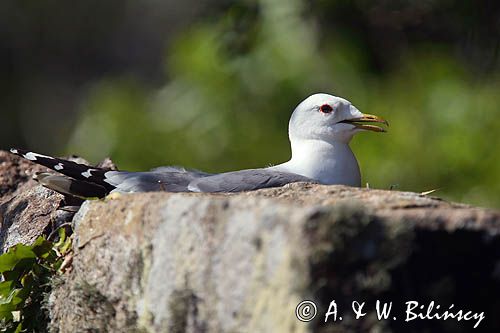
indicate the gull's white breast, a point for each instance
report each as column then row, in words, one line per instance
column 327, row 163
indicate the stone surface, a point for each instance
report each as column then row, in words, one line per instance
column 26, row 209
column 160, row 262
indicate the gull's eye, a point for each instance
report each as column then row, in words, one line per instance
column 325, row 108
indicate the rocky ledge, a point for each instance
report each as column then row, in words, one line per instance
column 162, row 262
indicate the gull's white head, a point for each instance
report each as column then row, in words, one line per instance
column 329, row 118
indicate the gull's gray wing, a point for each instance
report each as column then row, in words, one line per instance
column 87, row 181
column 245, row 180
column 170, row 179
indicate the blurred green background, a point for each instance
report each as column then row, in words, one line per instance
column 211, row 84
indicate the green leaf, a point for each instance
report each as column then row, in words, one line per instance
column 5, row 288
column 6, row 315
column 7, row 303
column 41, row 269
column 11, row 275
column 57, row 264
column 62, row 238
column 51, row 257
column 21, row 295
column 20, row 268
column 26, row 272
column 16, row 296
column 41, row 247
column 27, row 280
column 19, row 328
column 66, row 246
column 17, row 258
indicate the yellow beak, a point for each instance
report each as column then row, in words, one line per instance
column 367, row 118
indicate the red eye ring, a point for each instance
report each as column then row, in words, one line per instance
column 325, row 108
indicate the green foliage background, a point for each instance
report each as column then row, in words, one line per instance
column 232, row 79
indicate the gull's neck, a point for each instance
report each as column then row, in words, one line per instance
column 326, row 162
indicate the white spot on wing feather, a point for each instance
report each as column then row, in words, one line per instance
column 14, row 151
column 193, row 188
column 59, row 166
column 87, row 174
column 32, row 156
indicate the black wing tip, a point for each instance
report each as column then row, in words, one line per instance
column 70, row 186
column 19, row 152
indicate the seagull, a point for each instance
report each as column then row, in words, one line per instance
column 319, row 130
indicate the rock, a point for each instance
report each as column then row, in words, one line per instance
column 28, row 210
column 163, row 262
